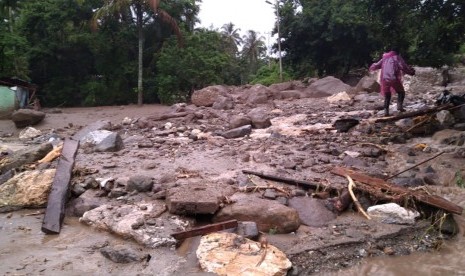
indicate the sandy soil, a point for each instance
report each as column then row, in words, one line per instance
column 81, row 116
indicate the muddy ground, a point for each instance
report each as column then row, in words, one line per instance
column 300, row 148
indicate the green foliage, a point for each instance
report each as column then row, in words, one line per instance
column 202, row 62
column 50, row 42
column 269, row 74
column 337, row 35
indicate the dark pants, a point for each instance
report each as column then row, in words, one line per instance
column 399, row 88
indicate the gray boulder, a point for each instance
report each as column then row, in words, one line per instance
column 223, row 103
column 445, row 118
column 267, row 214
column 27, row 117
column 208, row 95
column 259, row 117
column 326, row 87
column 122, row 254
column 237, row 132
column 238, row 121
column 103, row 141
column 139, row 183
column 368, row 84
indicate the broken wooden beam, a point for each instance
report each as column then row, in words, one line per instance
column 205, row 229
column 413, row 113
column 383, row 190
column 299, row 183
column 55, row 211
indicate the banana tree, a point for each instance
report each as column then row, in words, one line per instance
column 136, row 11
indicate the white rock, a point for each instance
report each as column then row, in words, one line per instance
column 168, row 125
column 127, row 121
column 339, row 97
column 392, row 213
column 230, row 254
column 352, row 154
column 29, row 133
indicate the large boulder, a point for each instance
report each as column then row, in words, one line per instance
column 230, row 254
column 85, row 202
column 103, row 141
column 319, row 216
column 208, row 95
column 239, row 120
column 27, row 189
column 237, row 132
column 140, row 222
column 196, row 198
column 98, row 125
column 268, row 214
column 27, row 117
column 258, row 94
column 223, row 103
column 325, row 87
column 368, row 84
column 140, row 183
column 259, row 117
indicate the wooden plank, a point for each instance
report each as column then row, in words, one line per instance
column 413, row 113
column 379, row 187
column 298, row 183
column 55, row 211
column 205, row 229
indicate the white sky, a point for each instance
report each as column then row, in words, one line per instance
column 245, row 14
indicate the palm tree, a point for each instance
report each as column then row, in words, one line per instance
column 232, row 36
column 136, row 8
column 254, row 48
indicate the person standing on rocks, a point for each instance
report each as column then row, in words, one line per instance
column 393, row 67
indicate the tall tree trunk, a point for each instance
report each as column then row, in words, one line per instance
column 15, row 58
column 140, row 56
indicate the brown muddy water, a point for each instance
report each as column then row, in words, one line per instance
column 25, row 250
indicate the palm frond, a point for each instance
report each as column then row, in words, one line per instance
column 165, row 17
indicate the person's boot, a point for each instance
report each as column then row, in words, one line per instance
column 400, row 101
column 387, row 102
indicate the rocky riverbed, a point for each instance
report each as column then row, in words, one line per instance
column 143, row 173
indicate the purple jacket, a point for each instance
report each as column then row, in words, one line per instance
column 392, row 67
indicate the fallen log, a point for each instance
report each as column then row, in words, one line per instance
column 413, row 113
column 54, row 213
column 205, row 229
column 298, row 183
column 384, row 191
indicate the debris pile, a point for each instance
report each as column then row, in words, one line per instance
column 301, row 176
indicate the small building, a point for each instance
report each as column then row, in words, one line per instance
column 15, row 94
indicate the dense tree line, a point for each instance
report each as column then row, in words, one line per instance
column 102, row 52
column 335, row 36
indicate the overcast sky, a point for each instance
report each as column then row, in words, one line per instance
column 247, row 15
